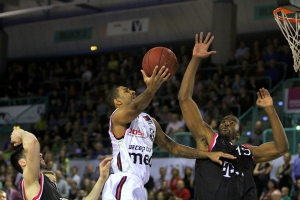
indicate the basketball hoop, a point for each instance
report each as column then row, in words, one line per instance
column 289, row 23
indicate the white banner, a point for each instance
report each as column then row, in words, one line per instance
column 29, row 113
column 127, row 27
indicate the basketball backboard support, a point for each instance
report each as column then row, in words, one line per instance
column 292, row 5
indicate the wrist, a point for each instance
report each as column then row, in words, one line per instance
column 149, row 91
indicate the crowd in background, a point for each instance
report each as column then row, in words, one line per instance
column 76, row 122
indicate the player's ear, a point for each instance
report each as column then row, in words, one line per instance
column 22, row 162
column 117, row 102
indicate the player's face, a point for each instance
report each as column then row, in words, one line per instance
column 126, row 94
column 229, row 128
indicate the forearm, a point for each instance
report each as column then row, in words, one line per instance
column 97, row 189
column 28, row 140
column 280, row 139
column 188, row 152
column 143, row 100
column 188, row 81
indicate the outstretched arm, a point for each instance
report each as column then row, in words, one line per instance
column 31, row 148
column 153, row 83
column 189, row 108
column 104, row 173
column 270, row 150
column 179, row 150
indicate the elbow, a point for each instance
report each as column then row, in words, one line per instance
column 182, row 97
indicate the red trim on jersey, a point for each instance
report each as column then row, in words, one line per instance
column 213, row 142
column 118, row 138
column 119, row 163
column 245, row 145
column 119, row 187
column 39, row 195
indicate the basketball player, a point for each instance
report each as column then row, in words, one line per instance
column 132, row 135
column 28, row 161
column 233, row 180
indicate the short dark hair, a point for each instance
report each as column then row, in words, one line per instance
column 15, row 157
column 109, row 101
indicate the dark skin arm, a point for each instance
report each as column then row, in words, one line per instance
column 270, row 150
column 179, row 150
column 201, row 131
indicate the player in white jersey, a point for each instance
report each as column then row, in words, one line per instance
column 132, row 134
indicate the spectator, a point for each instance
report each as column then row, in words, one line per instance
column 165, row 116
column 176, row 125
column 256, row 137
column 272, row 186
column 273, row 72
column 285, row 193
column 89, row 173
column 162, row 178
column 262, row 171
column 276, row 195
column 284, row 172
column 229, row 98
column 73, row 190
column 188, row 181
column 240, row 51
column 181, row 191
column 296, row 167
column 71, row 147
column 75, row 176
column 57, row 146
column 62, row 185
column 238, row 83
column 174, row 179
column 12, row 193
column 296, row 190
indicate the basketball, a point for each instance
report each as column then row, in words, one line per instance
column 159, row 56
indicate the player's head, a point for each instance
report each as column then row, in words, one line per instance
column 18, row 160
column 230, row 128
column 2, row 195
column 119, row 97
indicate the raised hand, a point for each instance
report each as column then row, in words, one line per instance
column 157, row 78
column 201, row 47
column 264, row 98
column 16, row 138
column 104, row 168
column 216, row 156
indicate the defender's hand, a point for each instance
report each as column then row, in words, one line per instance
column 104, row 168
column 264, row 98
column 215, row 156
column 157, row 78
column 200, row 48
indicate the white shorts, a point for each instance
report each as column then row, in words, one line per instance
column 122, row 186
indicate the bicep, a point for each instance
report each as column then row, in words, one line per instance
column 193, row 119
column 265, row 152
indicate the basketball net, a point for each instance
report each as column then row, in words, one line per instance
column 290, row 28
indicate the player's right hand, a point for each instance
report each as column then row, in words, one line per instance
column 157, row 78
column 216, row 156
column 16, row 138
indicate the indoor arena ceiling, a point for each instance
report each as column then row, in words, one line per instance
column 23, row 11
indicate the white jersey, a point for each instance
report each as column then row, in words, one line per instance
column 132, row 153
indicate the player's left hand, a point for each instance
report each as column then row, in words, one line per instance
column 264, row 98
column 216, row 156
column 201, row 47
column 104, row 168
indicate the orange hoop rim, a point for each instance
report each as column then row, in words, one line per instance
column 286, row 11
